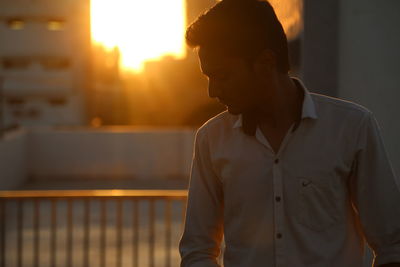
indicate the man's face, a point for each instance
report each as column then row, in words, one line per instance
column 231, row 80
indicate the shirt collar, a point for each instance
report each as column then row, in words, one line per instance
column 308, row 107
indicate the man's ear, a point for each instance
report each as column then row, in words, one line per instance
column 265, row 62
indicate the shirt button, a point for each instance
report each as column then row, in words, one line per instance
column 279, row 235
column 276, row 161
column 278, row 199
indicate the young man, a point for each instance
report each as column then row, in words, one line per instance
column 287, row 177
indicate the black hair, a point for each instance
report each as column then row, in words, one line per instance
column 241, row 27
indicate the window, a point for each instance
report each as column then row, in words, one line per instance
column 55, row 24
column 55, row 63
column 16, row 23
column 15, row 101
column 60, row 101
column 13, row 63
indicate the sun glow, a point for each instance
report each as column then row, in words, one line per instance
column 289, row 12
column 142, row 30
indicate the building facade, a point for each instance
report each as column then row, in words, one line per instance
column 44, row 61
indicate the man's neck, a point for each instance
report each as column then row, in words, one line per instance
column 286, row 106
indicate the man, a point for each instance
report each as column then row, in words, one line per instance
column 287, row 177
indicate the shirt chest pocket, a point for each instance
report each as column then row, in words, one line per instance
column 318, row 205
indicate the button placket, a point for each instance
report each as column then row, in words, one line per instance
column 278, row 211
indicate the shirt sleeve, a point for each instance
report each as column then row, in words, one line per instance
column 202, row 236
column 376, row 194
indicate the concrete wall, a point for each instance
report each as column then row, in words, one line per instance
column 319, row 46
column 110, row 153
column 12, row 159
column 369, row 63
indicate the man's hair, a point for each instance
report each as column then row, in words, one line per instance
column 241, row 28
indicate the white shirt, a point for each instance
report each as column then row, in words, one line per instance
column 309, row 205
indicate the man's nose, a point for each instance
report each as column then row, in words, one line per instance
column 213, row 89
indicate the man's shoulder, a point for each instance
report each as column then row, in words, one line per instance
column 220, row 123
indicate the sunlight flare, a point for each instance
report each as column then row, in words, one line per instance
column 142, row 30
column 290, row 14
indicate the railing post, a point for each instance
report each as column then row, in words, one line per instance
column 135, row 237
column 53, row 244
column 103, row 223
column 151, row 233
column 119, row 232
column 2, row 233
column 168, row 233
column 86, row 232
column 70, row 215
column 20, row 219
column 36, row 233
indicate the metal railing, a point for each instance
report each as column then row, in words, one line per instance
column 91, row 227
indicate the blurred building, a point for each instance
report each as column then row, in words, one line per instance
column 44, row 61
column 105, row 103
